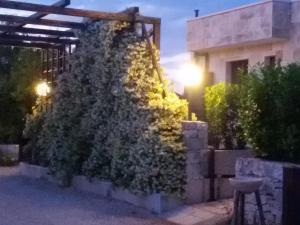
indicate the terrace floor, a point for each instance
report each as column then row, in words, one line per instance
column 24, row 201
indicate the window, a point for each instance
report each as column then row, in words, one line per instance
column 270, row 60
column 234, row 68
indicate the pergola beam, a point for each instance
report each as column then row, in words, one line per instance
column 27, row 30
column 46, row 22
column 27, row 44
column 75, row 12
column 60, row 3
column 10, row 31
column 39, row 15
column 14, row 37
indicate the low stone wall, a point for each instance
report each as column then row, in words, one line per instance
column 271, row 190
column 157, row 203
column 9, row 155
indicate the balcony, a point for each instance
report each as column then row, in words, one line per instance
column 264, row 22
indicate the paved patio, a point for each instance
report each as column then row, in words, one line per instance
column 209, row 213
column 35, row 202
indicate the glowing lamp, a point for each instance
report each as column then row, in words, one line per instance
column 190, row 75
column 42, row 89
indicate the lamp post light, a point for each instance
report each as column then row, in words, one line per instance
column 191, row 77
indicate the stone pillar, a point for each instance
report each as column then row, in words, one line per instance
column 195, row 139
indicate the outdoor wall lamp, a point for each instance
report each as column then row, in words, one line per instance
column 191, row 77
column 42, row 89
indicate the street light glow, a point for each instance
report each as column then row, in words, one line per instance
column 42, row 89
column 190, row 75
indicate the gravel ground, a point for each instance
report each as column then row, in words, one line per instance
column 25, row 201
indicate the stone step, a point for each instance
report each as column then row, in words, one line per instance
column 209, row 213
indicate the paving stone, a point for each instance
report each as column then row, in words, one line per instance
column 211, row 213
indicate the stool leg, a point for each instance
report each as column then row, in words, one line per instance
column 260, row 209
column 242, row 208
column 236, row 208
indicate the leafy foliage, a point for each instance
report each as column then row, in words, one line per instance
column 270, row 111
column 221, row 108
column 33, row 126
column 19, row 71
column 109, row 118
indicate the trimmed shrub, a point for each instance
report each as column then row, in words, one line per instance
column 221, row 109
column 270, row 111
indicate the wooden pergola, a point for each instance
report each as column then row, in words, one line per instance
column 56, row 43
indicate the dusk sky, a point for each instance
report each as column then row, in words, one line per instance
column 174, row 14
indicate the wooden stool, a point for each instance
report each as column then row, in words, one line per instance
column 243, row 186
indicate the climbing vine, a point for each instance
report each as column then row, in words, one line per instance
column 110, row 119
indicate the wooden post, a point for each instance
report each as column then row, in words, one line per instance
column 70, row 52
column 47, row 64
column 154, row 59
column 156, row 35
column 64, row 59
column 52, row 66
column 42, row 64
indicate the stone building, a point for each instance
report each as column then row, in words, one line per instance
column 267, row 31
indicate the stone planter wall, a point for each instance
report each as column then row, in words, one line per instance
column 271, row 190
column 197, row 188
column 224, row 168
column 157, row 203
column 9, row 154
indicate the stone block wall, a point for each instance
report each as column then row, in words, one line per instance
column 271, row 190
column 195, row 139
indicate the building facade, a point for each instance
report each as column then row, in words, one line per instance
column 264, row 32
